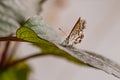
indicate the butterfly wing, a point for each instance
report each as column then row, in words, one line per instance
column 76, row 33
column 79, row 26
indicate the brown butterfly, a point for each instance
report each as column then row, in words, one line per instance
column 76, row 35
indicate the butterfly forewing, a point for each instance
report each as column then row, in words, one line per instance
column 75, row 30
column 76, row 34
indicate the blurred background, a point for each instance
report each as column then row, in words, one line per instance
column 102, row 35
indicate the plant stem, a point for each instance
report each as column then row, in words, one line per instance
column 4, row 54
column 12, row 53
column 10, row 39
column 24, row 59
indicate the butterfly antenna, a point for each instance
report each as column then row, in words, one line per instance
column 62, row 31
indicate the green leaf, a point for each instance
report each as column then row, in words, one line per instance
column 45, row 42
column 29, row 35
column 47, row 47
column 18, row 72
column 36, row 31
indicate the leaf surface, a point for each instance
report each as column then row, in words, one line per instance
column 13, row 14
column 50, row 42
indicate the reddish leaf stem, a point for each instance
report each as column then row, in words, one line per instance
column 11, row 39
column 12, row 53
column 4, row 54
column 24, row 59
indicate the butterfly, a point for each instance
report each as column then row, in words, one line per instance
column 76, row 35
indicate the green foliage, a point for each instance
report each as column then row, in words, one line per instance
column 47, row 47
column 30, row 36
column 17, row 72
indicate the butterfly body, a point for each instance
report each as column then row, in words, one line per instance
column 76, row 35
